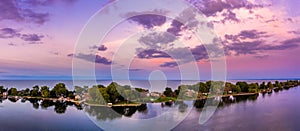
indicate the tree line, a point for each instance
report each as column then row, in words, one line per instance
column 115, row 93
column 59, row 90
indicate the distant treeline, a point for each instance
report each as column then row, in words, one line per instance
column 59, row 90
column 115, row 93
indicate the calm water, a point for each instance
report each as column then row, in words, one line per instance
column 276, row 111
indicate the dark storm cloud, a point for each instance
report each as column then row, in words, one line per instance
column 148, row 19
column 93, row 58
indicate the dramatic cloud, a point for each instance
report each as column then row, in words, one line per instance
column 6, row 33
column 261, row 56
column 99, row 48
column 22, row 10
column 39, row 18
column 294, row 32
column 244, row 48
column 229, row 16
column 246, row 34
column 157, row 40
column 102, row 48
column 152, row 53
column 70, row 55
column 47, row 2
column 9, row 33
column 185, row 20
column 293, row 41
column 254, row 47
column 135, row 70
column 212, row 7
column 199, row 52
column 175, row 28
column 92, row 58
column 31, row 37
column 169, row 64
column 148, row 19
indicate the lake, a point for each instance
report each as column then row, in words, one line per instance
column 276, row 111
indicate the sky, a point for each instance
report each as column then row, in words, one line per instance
column 254, row 39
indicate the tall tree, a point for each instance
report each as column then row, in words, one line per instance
column 12, row 91
column 45, row 91
column 60, row 90
column 35, row 91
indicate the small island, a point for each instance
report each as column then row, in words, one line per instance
column 118, row 95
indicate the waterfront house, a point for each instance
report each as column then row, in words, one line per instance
column 190, row 93
column 5, row 94
column 155, row 94
column 109, row 104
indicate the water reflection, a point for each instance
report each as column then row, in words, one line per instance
column 144, row 111
column 110, row 113
column 59, row 107
column 104, row 113
column 226, row 101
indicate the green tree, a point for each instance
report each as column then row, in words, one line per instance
column 104, row 94
column 235, row 88
column 95, row 95
column 35, row 91
column 270, row 85
column 168, row 92
column 45, row 92
column 12, row 91
column 79, row 90
column 71, row 94
column 27, row 92
column 113, row 92
column 263, row 85
column 1, row 89
column 243, row 85
column 60, row 90
column 253, row 88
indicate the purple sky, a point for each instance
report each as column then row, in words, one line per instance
column 260, row 39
